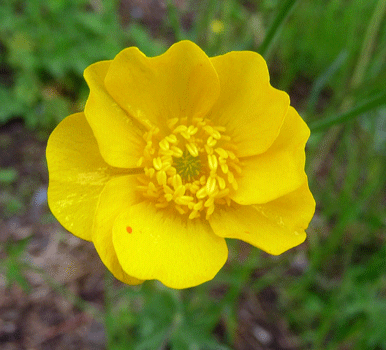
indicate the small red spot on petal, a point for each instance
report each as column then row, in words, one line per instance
column 129, row 229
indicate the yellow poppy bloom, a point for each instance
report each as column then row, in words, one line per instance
column 172, row 155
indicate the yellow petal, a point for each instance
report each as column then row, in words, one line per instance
column 277, row 171
column 77, row 175
column 154, row 244
column 273, row 227
column 119, row 139
column 118, row 194
column 179, row 83
column 294, row 210
column 248, row 106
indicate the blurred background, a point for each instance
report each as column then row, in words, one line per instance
column 328, row 293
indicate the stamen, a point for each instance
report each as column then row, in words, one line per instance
column 164, row 145
column 212, row 162
column 201, row 193
column 188, row 169
column 210, row 185
column 192, row 148
column 171, row 138
column 221, row 152
column 157, row 163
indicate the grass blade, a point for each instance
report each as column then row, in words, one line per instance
column 275, row 27
column 368, row 105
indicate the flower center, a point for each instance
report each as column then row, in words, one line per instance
column 192, row 168
column 187, row 166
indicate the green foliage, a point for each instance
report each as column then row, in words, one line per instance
column 329, row 55
column 12, row 266
column 319, row 32
column 153, row 316
column 46, row 47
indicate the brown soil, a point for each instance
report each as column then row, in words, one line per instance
column 36, row 250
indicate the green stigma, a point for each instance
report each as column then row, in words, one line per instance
column 187, row 166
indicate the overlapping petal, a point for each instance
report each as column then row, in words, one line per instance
column 155, row 244
column 277, row 171
column 179, row 83
column 93, row 158
column 273, row 227
column 250, row 108
column 77, row 175
column 118, row 137
column 119, row 194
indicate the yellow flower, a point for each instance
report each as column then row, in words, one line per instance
column 172, row 155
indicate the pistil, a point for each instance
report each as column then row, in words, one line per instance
column 187, row 166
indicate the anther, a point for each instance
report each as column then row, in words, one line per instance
column 221, row 152
column 201, row 193
column 164, row 145
column 157, row 163
column 180, row 129
column 192, row 148
column 210, row 185
column 161, row 177
column 212, row 162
